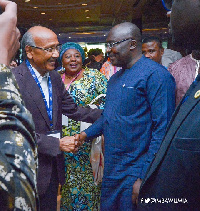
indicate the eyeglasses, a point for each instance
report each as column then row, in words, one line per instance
column 167, row 4
column 49, row 50
column 111, row 44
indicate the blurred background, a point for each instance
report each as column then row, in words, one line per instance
column 89, row 21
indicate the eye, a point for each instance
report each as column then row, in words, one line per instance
column 77, row 56
column 67, row 56
column 151, row 51
column 50, row 50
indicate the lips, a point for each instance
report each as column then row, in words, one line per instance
column 73, row 65
column 52, row 63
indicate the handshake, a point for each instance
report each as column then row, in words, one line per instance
column 72, row 143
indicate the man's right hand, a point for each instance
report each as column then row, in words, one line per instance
column 80, row 138
column 67, row 144
column 9, row 36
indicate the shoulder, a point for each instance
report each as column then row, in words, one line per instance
column 150, row 67
column 20, row 71
column 20, row 68
column 181, row 63
column 172, row 53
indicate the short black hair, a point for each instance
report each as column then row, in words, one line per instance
column 95, row 52
column 151, row 39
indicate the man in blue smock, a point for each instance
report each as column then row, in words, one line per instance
column 139, row 103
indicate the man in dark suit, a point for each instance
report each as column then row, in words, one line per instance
column 173, row 180
column 46, row 98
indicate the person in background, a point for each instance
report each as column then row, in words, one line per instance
column 84, row 85
column 172, row 181
column 108, row 69
column 46, row 98
column 170, row 56
column 185, row 71
column 152, row 49
column 18, row 152
column 139, row 103
column 96, row 59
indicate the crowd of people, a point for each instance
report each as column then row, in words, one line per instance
column 151, row 150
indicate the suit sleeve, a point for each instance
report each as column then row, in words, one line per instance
column 77, row 113
column 161, row 98
column 95, row 129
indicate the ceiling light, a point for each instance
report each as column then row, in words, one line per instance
column 69, row 37
column 43, row 13
column 104, row 35
column 27, row 0
column 35, row 7
column 87, row 17
column 87, row 10
column 84, row 4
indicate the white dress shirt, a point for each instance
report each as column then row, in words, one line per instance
column 43, row 82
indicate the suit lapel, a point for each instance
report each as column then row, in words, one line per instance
column 29, row 85
column 179, row 116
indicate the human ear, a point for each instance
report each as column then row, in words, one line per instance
column 133, row 44
column 28, row 50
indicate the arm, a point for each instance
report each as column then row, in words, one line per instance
column 9, row 38
column 75, row 112
column 93, row 131
column 18, row 155
column 161, row 98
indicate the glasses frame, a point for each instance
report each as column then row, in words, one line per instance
column 164, row 5
column 111, row 44
column 49, row 50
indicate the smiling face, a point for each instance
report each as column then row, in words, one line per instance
column 120, row 53
column 40, row 59
column 72, row 61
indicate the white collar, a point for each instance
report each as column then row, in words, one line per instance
column 39, row 76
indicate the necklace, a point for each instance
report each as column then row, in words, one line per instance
column 73, row 78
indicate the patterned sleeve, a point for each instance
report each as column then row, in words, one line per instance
column 18, row 155
column 101, row 89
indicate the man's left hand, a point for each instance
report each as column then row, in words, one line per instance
column 136, row 188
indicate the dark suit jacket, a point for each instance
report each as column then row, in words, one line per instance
column 48, row 147
column 175, row 172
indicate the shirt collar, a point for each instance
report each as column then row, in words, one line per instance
column 39, row 76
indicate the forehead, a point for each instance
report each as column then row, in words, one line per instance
column 72, row 51
column 48, row 38
column 118, row 33
column 150, row 45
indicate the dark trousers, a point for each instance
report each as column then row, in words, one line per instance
column 48, row 201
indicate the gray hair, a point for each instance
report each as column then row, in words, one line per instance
column 27, row 39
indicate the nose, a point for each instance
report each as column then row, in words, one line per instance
column 73, row 58
column 55, row 53
column 147, row 54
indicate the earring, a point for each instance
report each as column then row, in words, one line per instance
column 63, row 69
